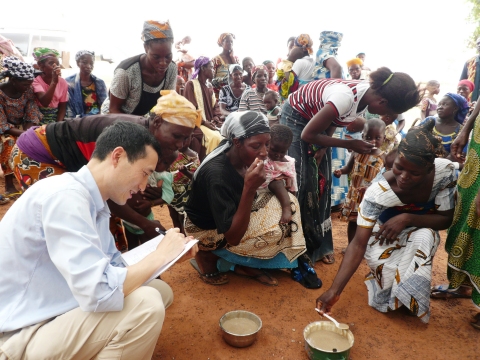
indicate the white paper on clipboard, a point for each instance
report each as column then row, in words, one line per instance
column 140, row 252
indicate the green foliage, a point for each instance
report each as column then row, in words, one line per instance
column 475, row 18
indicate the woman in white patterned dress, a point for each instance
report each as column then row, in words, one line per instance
column 398, row 225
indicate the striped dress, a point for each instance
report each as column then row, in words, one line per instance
column 401, row 272
column 252, row 100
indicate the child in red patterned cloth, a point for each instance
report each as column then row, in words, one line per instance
column 363, row 168
column 279, row 166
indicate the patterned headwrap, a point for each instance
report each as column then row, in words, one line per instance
column 256, row 68
column 16, row 68
column 354, row 61
column 40, row 54
column 199, row 62
column 222, row 37
column 468, row 83
column 156, row 30
column 238, row 125
column 175, row 109
column 79, row 54
column 304, row 41
column 330, row 41
column 462, row 105
column 420, row 146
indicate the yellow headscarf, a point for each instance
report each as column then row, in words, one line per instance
column 354, row 61
column 175, row 109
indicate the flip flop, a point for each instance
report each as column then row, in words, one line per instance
column 215, row 278
column 443, row 292
column 272, row 281
column 328, row 259
column 475, row 321
column 3, row 200
column 12, row 195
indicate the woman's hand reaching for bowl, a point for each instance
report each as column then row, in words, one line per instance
column 361, row 147
column 255, row 175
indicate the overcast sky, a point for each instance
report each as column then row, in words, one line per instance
column 425, row 38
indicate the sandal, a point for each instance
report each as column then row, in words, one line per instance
column 3, row 200
column 443, row 292
column 12, row 195
column 475, row 321
column 215, row 278
column 328, row 259
column 271, row 281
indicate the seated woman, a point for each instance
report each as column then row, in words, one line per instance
column 18, row 112
column 237, row 229
column 398, row 224
column 230, row 95
column 86, row 92
column 50, row 89
column 200, row 93
column 138, row 80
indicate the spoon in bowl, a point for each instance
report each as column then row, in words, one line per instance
column 337, row 324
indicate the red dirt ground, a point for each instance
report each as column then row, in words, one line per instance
column 191, row 328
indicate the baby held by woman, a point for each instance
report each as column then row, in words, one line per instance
column 280, row 170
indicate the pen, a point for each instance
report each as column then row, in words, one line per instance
column 159, row 231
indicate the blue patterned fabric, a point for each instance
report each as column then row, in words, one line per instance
column 330, row 41
column 75, row 98
column 339, row 159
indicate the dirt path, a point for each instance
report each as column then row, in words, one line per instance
column 191, row 327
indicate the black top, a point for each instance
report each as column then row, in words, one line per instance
column 73, row 141
column 215, row 195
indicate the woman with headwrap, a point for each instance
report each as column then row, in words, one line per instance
column 221, row 62
column 354, row 67
column 86, row 92
column 238, row 230
column 451, row 113
column 230, row 95
column 305, row 68
column 55, row 148
column 252, row 98
column 200, row 93
column 51, row 90
column 272, row 70
column 465, row 88
column 398, row 223
column 18, row 112
column 313, row 113
column 137, row 81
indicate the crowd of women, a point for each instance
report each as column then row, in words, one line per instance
column 249, row 155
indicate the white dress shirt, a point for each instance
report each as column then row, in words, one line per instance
column 57, row 253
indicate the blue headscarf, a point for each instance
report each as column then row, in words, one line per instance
column 462, row 105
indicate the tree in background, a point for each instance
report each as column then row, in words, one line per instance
column 475, row 18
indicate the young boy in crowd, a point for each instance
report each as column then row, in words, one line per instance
column 274, row 111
